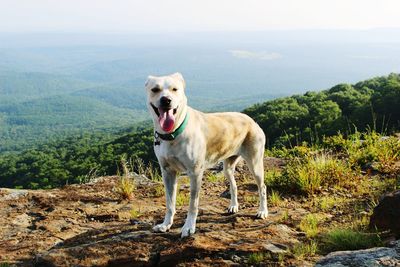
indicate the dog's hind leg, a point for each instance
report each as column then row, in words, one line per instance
column 256, row 165
column 258, row 172
column 229, row 170
column 170, row 184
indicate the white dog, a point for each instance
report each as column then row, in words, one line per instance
column 189, row 140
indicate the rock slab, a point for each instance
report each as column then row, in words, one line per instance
column 381, row 256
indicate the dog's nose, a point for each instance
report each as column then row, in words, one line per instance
column 165, row 101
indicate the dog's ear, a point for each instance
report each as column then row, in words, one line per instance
column 149, row 78
column 179, row 76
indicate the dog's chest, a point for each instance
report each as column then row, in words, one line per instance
column 172, row 156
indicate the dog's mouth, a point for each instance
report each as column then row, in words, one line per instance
column 166, row 117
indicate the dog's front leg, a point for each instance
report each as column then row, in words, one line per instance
column 195, row 184
column 170, row 184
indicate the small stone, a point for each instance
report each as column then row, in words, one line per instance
column 236, row 258
column 274, row 249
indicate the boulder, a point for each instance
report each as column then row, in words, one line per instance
column 386, row 215
column 381, row 256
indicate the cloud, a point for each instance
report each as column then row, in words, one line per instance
column 255, row 55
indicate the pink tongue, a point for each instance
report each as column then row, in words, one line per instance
column 166, row 120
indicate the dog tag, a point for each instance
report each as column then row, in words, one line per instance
column 156, row 139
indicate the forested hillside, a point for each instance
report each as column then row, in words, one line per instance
column 74, row 160
column 38, row 107
column 374, row 104
column 370, row 104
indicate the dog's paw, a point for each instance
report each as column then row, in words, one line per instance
column 262, row 214
column 187, row 231
column 161, row 228
column 233, row 209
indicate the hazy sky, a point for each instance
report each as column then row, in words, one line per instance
column 194, row 15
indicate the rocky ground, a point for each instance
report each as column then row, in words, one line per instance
column 90, row 225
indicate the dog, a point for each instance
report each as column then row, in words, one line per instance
column 187, row 140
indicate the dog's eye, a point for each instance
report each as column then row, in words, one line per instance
column 174, row 89
column 156, row 90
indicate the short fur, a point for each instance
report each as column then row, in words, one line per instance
column 207, row 139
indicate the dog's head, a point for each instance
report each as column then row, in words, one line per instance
column 166, row 100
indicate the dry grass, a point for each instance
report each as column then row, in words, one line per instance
column 126, row 185
column 149, row 170
column 316, row 172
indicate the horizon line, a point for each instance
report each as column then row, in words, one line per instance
column 151, row 32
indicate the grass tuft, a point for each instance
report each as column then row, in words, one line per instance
column 273, row 178
column 126, row 185
column 285, row 217
column 326, row 203
column 158, row 190
column 313, row 173
column 274, row 198
column 215, row 178
column 250, row 199
column 348, row 239
column 302, row 250
column 182, row 199
column 135, row 213
column 309, row 225
column 257, row 257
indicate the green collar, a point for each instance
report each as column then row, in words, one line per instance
column 173, row 135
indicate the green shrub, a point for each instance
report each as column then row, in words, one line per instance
column 273, row 178
column 366, row 148
column 290, row 153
